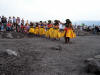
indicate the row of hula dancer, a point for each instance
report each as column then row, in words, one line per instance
column 52, row 31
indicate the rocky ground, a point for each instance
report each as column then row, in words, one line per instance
column 40, row 56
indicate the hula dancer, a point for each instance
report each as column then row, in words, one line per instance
column 42, row 29
column 68, row 31
column 49, row 30
column 56, row 32
column 31, row 30
column 36, row 30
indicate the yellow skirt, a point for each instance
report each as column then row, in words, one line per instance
column 57, row 34
column 36, row 31
column 42, row 31
column 31, row 30
column 62, row 34
column 49, row 33
column 70, row 33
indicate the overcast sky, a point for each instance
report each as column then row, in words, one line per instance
column 51, row 9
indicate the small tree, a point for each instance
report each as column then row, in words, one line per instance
column 83, row 24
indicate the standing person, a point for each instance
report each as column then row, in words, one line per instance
column 0, row 25
column 18, row 24
column 56, row 32
column 42, row 29
column 31, row 30
column 16, row 27
column 27, row 22
column 22, row 21
column 18, row 20
column 97, row 29
column 36, row 30
column 68, row 31
column 61, row 27
column 10, row 19
column 8, row 28
column 45, row 24
column 4, row 22
column 27, row 27
column 22, row 27
column 49, row 30
column 14, row 19
column 0, row 18
column 14, row 23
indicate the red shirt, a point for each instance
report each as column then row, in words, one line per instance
column 9, row 25
column 22, row 26
column 66, row 29
column 50, row 25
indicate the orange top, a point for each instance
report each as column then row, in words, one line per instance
column 56, row 26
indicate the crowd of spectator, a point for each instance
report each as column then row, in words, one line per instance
column 93, row 28
column 13, row 24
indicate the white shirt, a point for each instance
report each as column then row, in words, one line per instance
column 10, row 20
column 14, row 20
column 61, row 26
column 0, row 19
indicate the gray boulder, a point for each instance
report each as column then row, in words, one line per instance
column 93, row 65
column 58, row 47
column 11, row 52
